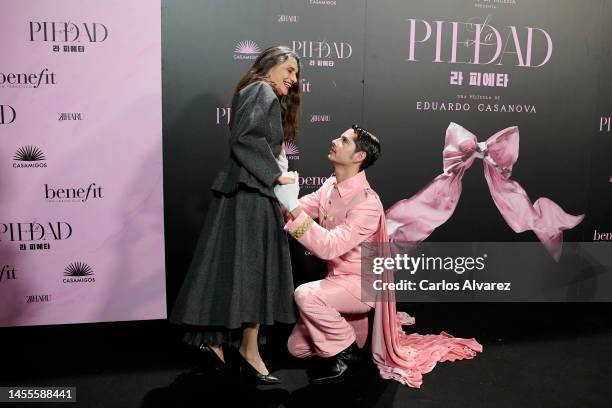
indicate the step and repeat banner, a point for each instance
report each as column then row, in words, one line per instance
column 81, row 203
column 82, row 208
column 412, row 72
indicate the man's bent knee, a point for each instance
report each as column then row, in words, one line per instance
column 302, row 295
column 298, row 349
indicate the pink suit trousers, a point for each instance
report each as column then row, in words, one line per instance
column 331, row 319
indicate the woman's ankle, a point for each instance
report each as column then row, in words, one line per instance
column 218, row 349
column 249, row 353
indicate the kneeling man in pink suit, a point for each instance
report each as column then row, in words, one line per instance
column 333, row 318
column 333, row 321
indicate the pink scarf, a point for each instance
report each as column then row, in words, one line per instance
column 405, row 357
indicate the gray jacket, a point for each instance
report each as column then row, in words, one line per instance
column 255, row 141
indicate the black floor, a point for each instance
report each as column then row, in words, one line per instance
column 535, row 355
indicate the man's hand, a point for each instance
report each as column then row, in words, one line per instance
column 287, row 195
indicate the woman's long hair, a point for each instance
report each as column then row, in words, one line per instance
column 290, row 103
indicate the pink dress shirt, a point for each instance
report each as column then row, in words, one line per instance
column 349, row 213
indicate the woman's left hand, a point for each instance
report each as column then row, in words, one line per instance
column 288, row 177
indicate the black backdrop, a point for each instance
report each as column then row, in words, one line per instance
column 357, row 68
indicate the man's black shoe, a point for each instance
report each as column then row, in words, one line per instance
column 351, row 354
column 334, row 373
column 337, row 366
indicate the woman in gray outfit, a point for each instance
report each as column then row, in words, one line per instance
column 240, row 276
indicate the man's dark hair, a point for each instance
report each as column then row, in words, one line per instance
column 368, row 143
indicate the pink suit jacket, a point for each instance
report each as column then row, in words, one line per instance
column 349, row 213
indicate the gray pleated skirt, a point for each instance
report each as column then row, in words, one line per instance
column 240, row 272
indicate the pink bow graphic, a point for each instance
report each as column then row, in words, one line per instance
column 414, row 219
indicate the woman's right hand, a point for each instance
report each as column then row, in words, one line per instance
column 287, row 177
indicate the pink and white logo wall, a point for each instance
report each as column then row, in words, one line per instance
column 81, row 222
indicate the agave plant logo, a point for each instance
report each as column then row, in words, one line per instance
column 291, row 148
column 247, row 47
column 78, row 269
column 78, row 272
column 292, row 151
column 29, row 153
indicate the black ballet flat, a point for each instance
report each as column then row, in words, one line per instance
column 249, row 373
column 213, row 361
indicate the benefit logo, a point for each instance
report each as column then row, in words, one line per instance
column 73, row 194
column 311, row 182
column 29, row 156
column 602, row 236
column 305, row 85
column 7, row 273
column 27, row 80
